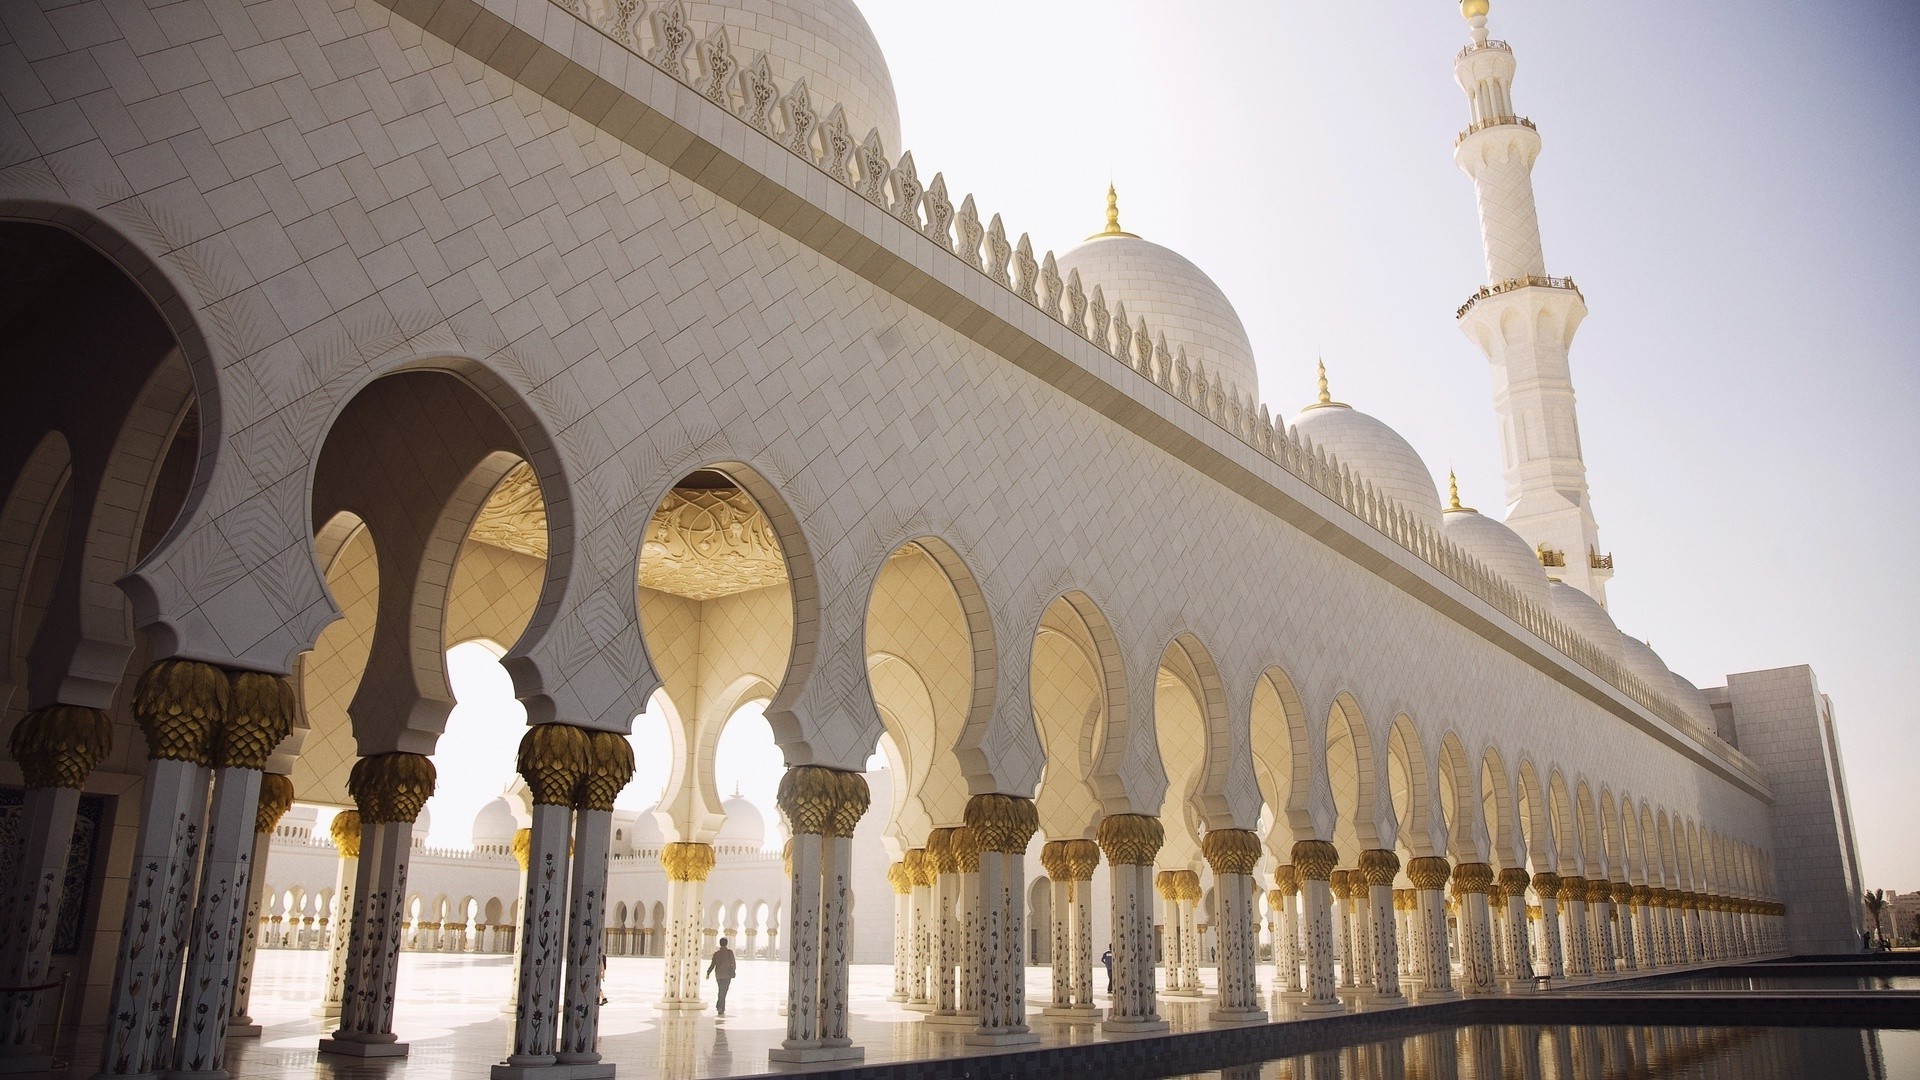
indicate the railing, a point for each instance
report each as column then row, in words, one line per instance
column 1527, row 281
column 820, row 137
column 1482, row 46
column 1492, row 122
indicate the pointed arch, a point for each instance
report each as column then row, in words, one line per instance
column 1592, row 856
column 1566, row 828
column 1419, row 821
column 1353, row 779
column 1500, row 812
column 1277, row 725
column 1536, row 820
column 1071, row 684
column 1467, row 836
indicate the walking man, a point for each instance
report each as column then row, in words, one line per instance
column 721, row 968
column 1106, row 958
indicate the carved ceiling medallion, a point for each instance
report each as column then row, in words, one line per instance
column 707, row 543
column 515, row 517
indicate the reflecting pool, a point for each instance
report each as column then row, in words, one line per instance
column 1778, row 982
column 1518, row 1052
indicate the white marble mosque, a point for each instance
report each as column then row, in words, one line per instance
column 625, row 337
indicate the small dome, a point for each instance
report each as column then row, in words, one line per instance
column 1587, row 618
column 1644, row 662
column 637, row 830
column 826, row 42
column 1499, row 548
column 1176, row 298
column 1374, row 451
column 494, row 825
column 422, row 825
column 744, row 826
column 1693, row 701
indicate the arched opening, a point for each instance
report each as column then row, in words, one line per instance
column 1278, row 728
column 1069, row 688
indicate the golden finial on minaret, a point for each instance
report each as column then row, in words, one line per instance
column 1471, row 9
column 1113, row 217
column 1453, row 494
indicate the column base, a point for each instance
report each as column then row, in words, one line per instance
column 239, row 1030
column 330, row 1010
column 1183, row 993
column 919, row 1006
column 1134, row 1027
column 1320, row 1007
column 801, row 1053
column 1238, row 1016
column 363, row 1046
column 1070, row 1013
column 953, row 1019
column 897, row 997
column 1002, row 1037
column 558, row 1071
column 681, row 1006
column 1424, row 995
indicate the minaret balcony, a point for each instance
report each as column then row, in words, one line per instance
column 1483, row 46
column 1530, row 281
column 1493, row 122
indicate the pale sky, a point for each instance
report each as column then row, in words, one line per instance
column 1731, row 184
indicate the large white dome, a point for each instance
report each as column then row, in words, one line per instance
column 1374, row 451
column 1499, row 548
column 1587, row 617
column 1693, row 701
column 1644, row 662
column 1177, row 299
column 826, row 42
column 494, row 825
column 744, row 826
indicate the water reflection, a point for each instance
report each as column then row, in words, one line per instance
column 1516, row 1052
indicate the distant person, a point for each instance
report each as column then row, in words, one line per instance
column 1106, row 960
column 721, row 968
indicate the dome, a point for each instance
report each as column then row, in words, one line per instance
column 422, row 825
column 826, row 42
column 1498, row 547
column 744, row 827
column 636, row 830
column 1176, row 297
column 494, row 825
column 1374, row 451
column 1693, row 701
column 1644, row 662
column 1587, row 617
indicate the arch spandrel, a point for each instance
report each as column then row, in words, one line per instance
column 1278, row 734
column 1461, row 834
column 1069, row 688
column 1500, row 811
column 1536, row 819
column 1592, row 855
column 1417, row 793
column 1566, row 827
column 1362, row 816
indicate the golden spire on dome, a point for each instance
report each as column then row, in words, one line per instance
column 1453, row 494
column 1325, row 400
column 1113, row 217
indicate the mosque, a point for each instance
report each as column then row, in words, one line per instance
column 626, row 337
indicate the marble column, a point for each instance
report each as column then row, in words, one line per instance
column 56, row 748
column 1168, row 890
column 1473, row 881
column 1547, row 886
column 276, row 796
column 1338, row 885
column 968, row 924
column 1313, row 862
column 1130, row 843
column 1497, row 931
column 920, row 982
column 345, row 830
column 1002, row 826
column 522, row 856
column 1406, row 932
column 1181, row 891
column 1286, row 946
column 945, row 931
column 687, row 865
column 609, row 767
column 821, row 806
column 1378, row 867
column 1573, row 917
column 1623, row 906
column 1600, row 913
column 1232, row 854
column 1429, row 875
column 1069, row 865
column 260, row 713
column 178, row 704
column 389, row 790
column 901, row 880
column 1696, row 934
column 1513, row 887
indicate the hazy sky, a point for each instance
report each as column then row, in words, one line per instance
column 1731, row 184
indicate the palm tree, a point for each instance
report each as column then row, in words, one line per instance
column 1876, row 903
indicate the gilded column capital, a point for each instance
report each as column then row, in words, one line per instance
column 1053, row 859
column 1083, row 858
column 1164, row 885
column 391, row 787
column 900, row 878
column 1513, row 881
column 1573, row 887
column 687, row 862
column 1547, row 885
column 260, row 712
column 1231, row 851
column 178, row 704
column 609, row 767
column 552, row 760
column 1599, row 891
column 58, row 746
column 1286, row 880
column 940, row 851
column 1131, row 839
column 921, row 867
column 523, row 848
column 276, row 795
column 1276, row 899
column 1641, row 894
column 1429, row 872
column 1472, row 877
column 966, row 851
column 1315, row 859
column 345, row 831
column 1406, row 899
column 1003, row 823
column 1341, row 882
column 821, row 801
column 1378, row 866
column 1186, row 884
column 786, row 856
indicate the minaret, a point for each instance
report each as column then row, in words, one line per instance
column 1524, row 321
